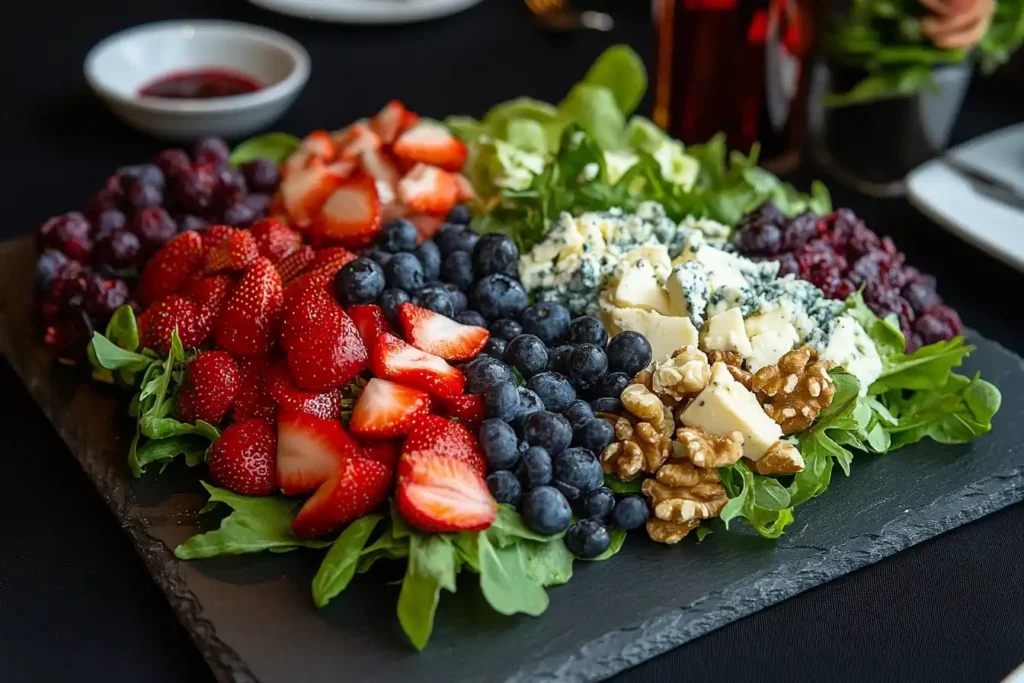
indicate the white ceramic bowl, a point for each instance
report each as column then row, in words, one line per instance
column 119, row 66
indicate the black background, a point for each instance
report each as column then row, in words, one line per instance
column 75, row 601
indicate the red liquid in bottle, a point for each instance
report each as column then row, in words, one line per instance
column 201, row 84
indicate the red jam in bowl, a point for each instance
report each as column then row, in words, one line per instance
column 201, row 84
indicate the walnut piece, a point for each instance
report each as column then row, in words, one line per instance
column 706, row 450
column 796, row 389
column 781, row 457
column 734, row 361
column 644, row 404
column 682, row 376
column 670, row 532
column 639, row 447
column 682, row 493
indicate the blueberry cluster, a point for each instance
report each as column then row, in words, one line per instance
column 458, row 273
column 541, row 439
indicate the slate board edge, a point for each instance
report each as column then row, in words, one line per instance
column 225, row 663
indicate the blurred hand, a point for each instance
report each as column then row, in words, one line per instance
column 957, row 24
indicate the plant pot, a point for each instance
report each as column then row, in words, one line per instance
column 873, row 145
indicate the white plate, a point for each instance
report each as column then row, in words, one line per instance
column 366, row 11
column 951, row 201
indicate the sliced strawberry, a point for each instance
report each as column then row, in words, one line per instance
column 431, row 143
column 426, row 224
column 357, row 139
column 309, row 450
column 323, row 404
column 384, row 452
column 428, row 188
column 210, row 388
column 439, row 334
column 209, row 291
column 274, row 239
column 464, row 188
column 467, row 408
column 232, row 254
column 384, row 173
column 393, row 359
column 292, row 266
column 450, row 439
column 253, row 399
column 317, row 144
column 392, row 211
column 173, row 313
column 437, row 494
column 386, row 409
column 243, row 458
column 358, row 488
column 168, row 268
column 306, row 189
column 388, row 122
column 248, row 319
column 351, row 216
column 370, row 322
column 342, row 133
column 323, row 346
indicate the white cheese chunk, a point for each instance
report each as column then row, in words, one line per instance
column 851, row 348
column 767, row 348
column 638, row 287
column 688, row 291
column 725, row 406
column 724, row 269
column 666, row 334
column 655, row 254
column 726, row 333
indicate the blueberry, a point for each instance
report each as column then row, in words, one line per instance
column 504, row 328
column 547, row 430
column 587, row 329
column 549, row 321
column 534, row 468
column 495, row 348
column 546, row 511
column 498, row 443
column 389, row 301
column 501, row 401
column 430, row 258
column 587, row 363
column 499, row 296
column 459, row 214
column 558, row 358
column 611, row 385
column 630, row 512
column 458, row 269
column 593, row 435
column 578, row 412
column 404, row 271
column 628, row 352
column 529, row 402
column 527, row 354
column 587, row 538
column 553, row 389
column 397, row 235
column 471, row 318
column 606, row 405
column 447, row 237
column 466, row 241
column 576, row 471
column 504, row 487
column 483, row 370
column 436, row 300
column 598, row 503
column 358, row 282
column 496, row 253
column 377, row 254
column 459, row 302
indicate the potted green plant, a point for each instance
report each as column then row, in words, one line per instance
column 884, row 97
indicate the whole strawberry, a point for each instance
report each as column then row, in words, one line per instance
column 274, row 239
column 253, row 398
column 323, row 346
column 247, row 322
column 173, row 313
column 210, row 388
column 243, row 459
column 234, row 253
column 169, row 267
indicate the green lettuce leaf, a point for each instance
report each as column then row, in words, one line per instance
column 621, row 71
column 505, row 581
column 274, row 147
column 432, row 566
column 340, row 564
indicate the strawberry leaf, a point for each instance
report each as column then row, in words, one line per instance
column 274, row 147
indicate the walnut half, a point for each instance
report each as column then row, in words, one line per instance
column 638, row 448
column 682, row 494
column 796, row 389
column 706, row 450
column 782, row 457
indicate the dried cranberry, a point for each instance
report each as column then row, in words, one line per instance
column 862, row 240
column 867, row 268
column 914, row 342
column 261, row 175
column 153, row 227
column 788, row 265
column 212, row 151
column 142, row 196
column 48, row 265
column 819, row 263
column 843, row 289
column 103, row 297
column 120, row 249
column 920, row 296
column 173, row 162
column 842, row 225
column 195, row 188
column 886, row 302
column 759, row 239
column 798, row 231
column 888, row 246
column 107, row 222
column 230, row 187
column 187, row 222
column 767, row 212
column 147, row 174
column 938, row 323
column 239, row 215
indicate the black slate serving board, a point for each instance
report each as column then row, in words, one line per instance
column 253, row 618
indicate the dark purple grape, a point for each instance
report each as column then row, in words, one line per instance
column 230, row 188
column 68, row 232
column 262, row 176
column 788, row 265
column 260, row 203
column 759, row 239
column 48, row 265
column 120, row 249
column 187, row 222
column 798, row 231
column 141, row 196
column 104, row 200
column 921, row 296
column 239, row 215
column 153, row 227
column 173, row 162
column 103, row 297
column 69, row 282
column 213, row 151
column 107, row 222
column 147, row 174
column 195, row 189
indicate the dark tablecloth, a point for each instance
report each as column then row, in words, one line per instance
column 77, row 604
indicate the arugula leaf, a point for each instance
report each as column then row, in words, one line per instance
column 110, row 356
column 339, row 565
column 760, row 500
column 620, row 70
column 432, row 566
column 958, row 412
column 927, row 368
column 165, row 450
column 619, row 486
column 548, row 564
column 508, row 528
column 274, row 147
column 257, row 523
column 505, row 582
column 885, row 333
column 387, row 547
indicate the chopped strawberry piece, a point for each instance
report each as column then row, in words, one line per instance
column 386, row 409
column 210, row 388
column 209, row 291
column 275, row 240
column 317, row 144
column 439, row 334
column 467, row 408
column 168, row 268
column 351, row 216
column 431, row 143
column 234, row 253
column 293, row 265
column 253, row 399
column 428, row 188
column 322, row 344
column 392, row 211
column 388, row 122
column 173, row 313
column 357, row 139
column 358, row 488
column 305, row 190
column 370, row 322
column 384, row 452
column 436, row 494
column 464, row 188
column 323, row 404
column 310, row 450
column 243, row 458
column 384, row 173
column 393, row 359
column 426, row 225
column 450, row 439
column 248, row 319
